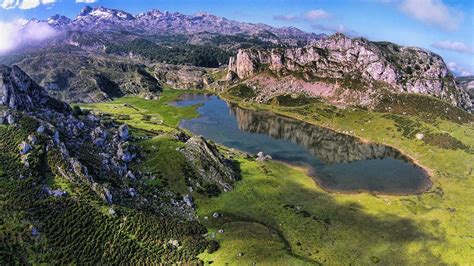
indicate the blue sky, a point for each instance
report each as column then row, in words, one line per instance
column 443, row 26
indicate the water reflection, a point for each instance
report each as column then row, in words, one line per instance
column 329, row 146
column 338, row 162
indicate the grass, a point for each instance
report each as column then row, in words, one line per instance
column 165, row 163
column 439, row 220
column 277, row 214
column 152, row 115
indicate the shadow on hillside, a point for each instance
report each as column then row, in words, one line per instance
column 317, row 229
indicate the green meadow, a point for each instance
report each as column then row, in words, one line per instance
column 277, row 215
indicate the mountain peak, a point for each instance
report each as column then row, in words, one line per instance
column 85, row 11
column 58, row 20
column 104, row 13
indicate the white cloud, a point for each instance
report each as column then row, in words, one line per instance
column 458, row 70
column 25, row 4
column 433, row 12
column 459, row 47
column 8, row 4
column 316, row 14
column 20, row 32
column 29, row 4
column 87, row 1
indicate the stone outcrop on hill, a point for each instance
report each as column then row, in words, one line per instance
column 18, row 91
column 338, row 66
column 210, row 163
column 467, row 83
column 96, row 154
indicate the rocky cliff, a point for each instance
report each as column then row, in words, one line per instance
column 346, row 71
column 18, row 91
column 467, row 83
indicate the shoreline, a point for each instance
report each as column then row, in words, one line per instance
column 307, row 169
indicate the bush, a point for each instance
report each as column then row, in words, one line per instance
column 213, row 246
column 77, row 110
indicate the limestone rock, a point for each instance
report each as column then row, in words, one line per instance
column 338, row 67
column 18, row 91
column 209, row 163
column 24, row 148
column 123, row 132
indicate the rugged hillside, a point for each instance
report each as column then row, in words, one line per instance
column 74, row 75
column 467, row 83
column 346, row 71
column 68, row 177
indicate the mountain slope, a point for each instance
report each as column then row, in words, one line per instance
column 75, row 189
column 346, row 71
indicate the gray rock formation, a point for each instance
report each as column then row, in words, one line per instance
column 18, row 91
column 337, row 66
column 467, row 83
column 209, row 163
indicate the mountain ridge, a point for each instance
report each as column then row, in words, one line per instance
column 341, row 70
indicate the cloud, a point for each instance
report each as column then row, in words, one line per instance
column 316, row 14
column 29, row 4
column 25, row 4
column 87, row 1
column 458, row 70
column 459, row 47
column 433, row 12
column 20, row 32
column 310, row 15
column 336, row 29
column 8, row 4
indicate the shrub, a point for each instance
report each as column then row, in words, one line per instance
column 213, row 246
column 77, row 110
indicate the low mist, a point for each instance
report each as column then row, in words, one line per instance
column 21, row 33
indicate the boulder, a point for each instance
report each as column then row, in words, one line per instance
column 188, row 200
column 24, row 148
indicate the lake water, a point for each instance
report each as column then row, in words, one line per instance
column 337, row 162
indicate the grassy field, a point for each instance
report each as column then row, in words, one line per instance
column 278, row 215
column 152, row 115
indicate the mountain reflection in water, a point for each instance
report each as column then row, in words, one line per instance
column 338, row 162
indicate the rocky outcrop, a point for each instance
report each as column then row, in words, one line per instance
column 183, row 77
column 467, row 83
column 340, row 64
column 18, row 91
column 209, row 163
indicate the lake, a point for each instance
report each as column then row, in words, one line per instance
column 336, row 161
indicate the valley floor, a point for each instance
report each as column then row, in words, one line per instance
column 278, row 215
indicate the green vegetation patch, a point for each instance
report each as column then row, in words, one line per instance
column 155, row 115
column 290, row 100
column 166, row 164
column 446, row 141
column 424, row 107
column 242, row 91
column 178, row 54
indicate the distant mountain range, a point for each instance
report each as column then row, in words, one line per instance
column 105, row 53
column 155, row 22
